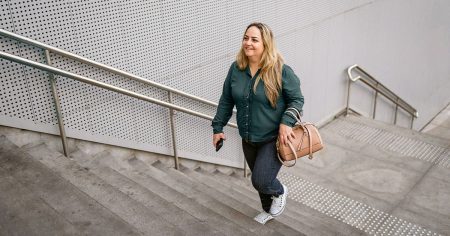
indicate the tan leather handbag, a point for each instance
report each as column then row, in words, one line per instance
column 307, row 141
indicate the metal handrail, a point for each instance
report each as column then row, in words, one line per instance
column 80, row 78
column 47, row 48
column 54, row 70
column 379, row 88
column 103, row 66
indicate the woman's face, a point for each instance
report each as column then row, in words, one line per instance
column 252, row 43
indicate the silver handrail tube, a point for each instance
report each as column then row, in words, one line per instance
column 83, row 79
column 379, row 89
column 102, row 66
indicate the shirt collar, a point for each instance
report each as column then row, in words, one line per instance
column 247, row 71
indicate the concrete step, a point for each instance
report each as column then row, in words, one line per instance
column 248, row 200
column 66, row 202
column 53, row 142
column 134, row 213
column 167, row 211
column 23, row 213
column 201, row 185
column 315, row 221
column 175, row 193
column 191, row 190
column 250, row 207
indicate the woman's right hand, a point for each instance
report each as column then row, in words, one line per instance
column 217, row 137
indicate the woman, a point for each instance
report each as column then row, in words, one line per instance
column 262, row 87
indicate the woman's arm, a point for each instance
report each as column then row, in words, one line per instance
column 292, row 95
column 293, row 98
column 225, row 108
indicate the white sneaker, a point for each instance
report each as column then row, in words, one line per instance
column 279, row 203
column 263, row 217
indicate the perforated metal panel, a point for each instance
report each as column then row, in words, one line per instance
column 188, row 45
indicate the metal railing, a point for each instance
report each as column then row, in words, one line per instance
column 47, row 49
column 379, row 88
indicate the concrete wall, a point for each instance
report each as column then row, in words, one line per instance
column 190, row 45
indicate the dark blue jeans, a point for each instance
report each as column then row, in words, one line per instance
column 262, row 159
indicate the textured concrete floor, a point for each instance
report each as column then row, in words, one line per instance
column 400, row 178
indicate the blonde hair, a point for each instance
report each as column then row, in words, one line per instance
column 271, row 64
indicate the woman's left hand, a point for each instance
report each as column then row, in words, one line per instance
column 285, row 134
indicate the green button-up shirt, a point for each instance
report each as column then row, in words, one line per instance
column 257, row 120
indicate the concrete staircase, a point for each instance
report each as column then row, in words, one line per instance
column 371, row 178
column 114, row 192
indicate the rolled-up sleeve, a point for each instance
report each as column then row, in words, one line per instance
column 292, row 95
column 226, row 104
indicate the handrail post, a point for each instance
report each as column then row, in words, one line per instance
column 412, row 121
column 62, row 131
column 172, row 129
column 396, row 111
column 375, row 103
column 348, row 98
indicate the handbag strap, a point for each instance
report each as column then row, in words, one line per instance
column 310, row 142
column 297, row 117
column 299, row 121
column 293, row 151
column 308, row 131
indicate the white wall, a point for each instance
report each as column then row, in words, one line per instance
column 404, row 44
column 189, row 45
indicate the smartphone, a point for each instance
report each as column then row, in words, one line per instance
column 219, row 144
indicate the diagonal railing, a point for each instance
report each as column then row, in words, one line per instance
column 379, row 88
column 47, row 49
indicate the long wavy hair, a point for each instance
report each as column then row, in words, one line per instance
column 271, row 64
